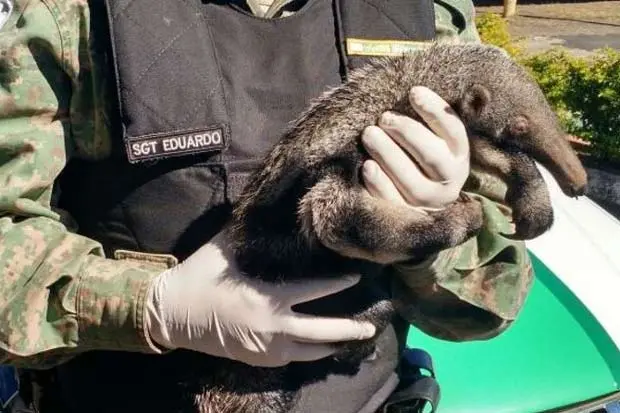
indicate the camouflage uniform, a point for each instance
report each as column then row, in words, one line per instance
column 61, row 296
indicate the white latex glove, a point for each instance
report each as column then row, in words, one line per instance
column 205, row 304
column 442, row 154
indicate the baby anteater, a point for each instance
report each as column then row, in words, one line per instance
column 305, row 214
column 307, row 194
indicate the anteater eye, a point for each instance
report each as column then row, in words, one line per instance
column 519, row 126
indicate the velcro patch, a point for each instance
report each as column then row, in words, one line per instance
column 367, row 47
column 175, row 143
column 166, row 259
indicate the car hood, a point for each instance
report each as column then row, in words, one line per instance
column 558, row 352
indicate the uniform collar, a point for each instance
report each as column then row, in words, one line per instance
column 275, row 7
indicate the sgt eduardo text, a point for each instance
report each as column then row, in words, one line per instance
column 160, row 146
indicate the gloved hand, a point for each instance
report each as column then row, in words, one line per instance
column 442, row 154
column 205, row 304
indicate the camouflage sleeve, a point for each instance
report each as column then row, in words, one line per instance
column 473, row 291
column 58, row 294
column 455, row 19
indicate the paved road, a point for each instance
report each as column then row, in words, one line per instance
column 591, row 42
column 578, row 25
column 580, row 44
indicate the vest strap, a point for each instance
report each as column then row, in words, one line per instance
column 416, row 389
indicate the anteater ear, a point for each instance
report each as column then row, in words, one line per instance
column 475, row 99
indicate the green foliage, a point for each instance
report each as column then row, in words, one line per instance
column 584, row 91
column 552, row 70
column 493, row 29
column 593, row 94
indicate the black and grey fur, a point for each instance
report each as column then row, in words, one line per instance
column 314, row 170
column 305, row 214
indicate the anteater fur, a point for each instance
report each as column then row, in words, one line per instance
column 305, row 214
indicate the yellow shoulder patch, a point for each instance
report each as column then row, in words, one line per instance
column 167, row 260
column 369, row 47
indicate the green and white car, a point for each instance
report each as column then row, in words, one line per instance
column 562, row 354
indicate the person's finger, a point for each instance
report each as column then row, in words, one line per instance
column 307, row 352
column 378, row 184
column 416, row 188
column 314, row 329
column 308, row 290
column 429, row 150
column 441, row 118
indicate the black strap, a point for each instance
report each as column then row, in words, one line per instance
column 9, row 385
column 416, row 359
column 417, row 388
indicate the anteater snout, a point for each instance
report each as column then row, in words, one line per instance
column 564, row 164
column 573, row 180
column 574, row 190
column 579, row 191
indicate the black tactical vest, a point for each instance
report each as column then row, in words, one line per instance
column 204, row 90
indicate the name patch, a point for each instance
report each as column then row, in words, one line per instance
column 175, row 144
column 368, row 47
